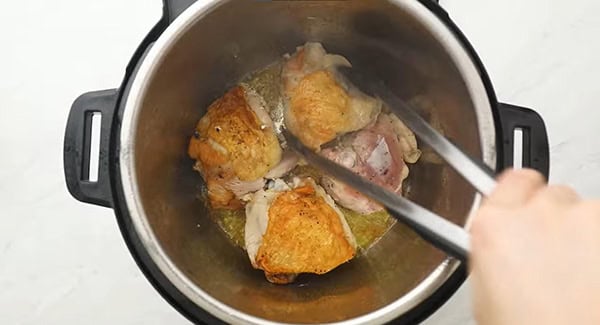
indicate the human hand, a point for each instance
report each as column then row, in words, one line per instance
column 535, row 254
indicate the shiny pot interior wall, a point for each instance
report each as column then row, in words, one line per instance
column 239, row 37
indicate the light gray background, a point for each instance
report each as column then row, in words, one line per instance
column 62, row 262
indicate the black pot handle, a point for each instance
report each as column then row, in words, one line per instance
column 536, row 152
column 78, row 146
column 173, row 8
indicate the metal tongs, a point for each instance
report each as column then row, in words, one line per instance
column 440, row 232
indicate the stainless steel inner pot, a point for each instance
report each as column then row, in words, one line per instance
column 208, row 49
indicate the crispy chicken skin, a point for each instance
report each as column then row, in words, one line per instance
column 234, row 146
column 303, row 233
column 319, row 106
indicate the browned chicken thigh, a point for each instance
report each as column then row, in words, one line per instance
column 319, row 106
column 296, row 229
column 234, row 145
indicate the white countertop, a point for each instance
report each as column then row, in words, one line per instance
column 63, row 262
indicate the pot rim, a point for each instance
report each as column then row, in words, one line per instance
column 458, row 52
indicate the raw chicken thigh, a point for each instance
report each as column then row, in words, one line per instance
column 297, row 229
column 378, row 153
column 319, row 106
column 235, row 146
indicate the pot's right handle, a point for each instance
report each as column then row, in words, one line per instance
column 77, row 147
column 536, row 152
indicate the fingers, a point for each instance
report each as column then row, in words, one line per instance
column 587, row 209
column 555, row 195
column 515, row 188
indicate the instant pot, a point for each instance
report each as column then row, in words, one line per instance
column 195, row 53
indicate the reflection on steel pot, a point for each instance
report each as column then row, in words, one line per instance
column 193, row 56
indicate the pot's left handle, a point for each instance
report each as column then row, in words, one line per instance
column 77, row 147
